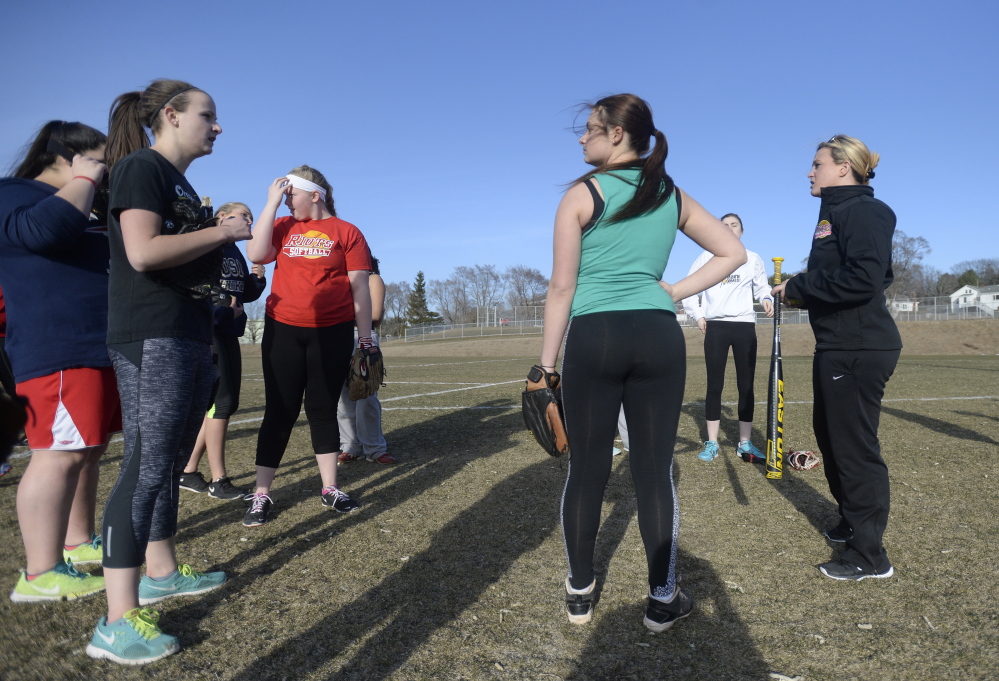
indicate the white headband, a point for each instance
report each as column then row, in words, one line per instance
column 303, row 184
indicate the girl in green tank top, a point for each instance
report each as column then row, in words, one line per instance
column 614, row 230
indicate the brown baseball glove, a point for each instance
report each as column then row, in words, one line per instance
column 367, row 373
column 542, row 409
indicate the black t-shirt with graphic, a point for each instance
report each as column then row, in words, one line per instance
column 168, row 303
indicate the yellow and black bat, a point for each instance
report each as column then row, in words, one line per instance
column 775, row 394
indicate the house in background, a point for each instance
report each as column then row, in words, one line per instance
column 904, row 305
column 986, row 298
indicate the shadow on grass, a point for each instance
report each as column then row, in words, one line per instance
column 712, row 643
column 977, row 415
column 730, row 426
column 939, row 425
column 816, row 508
column 381, row 489
column 705, row 645
column 376, row 634
column 471, row 552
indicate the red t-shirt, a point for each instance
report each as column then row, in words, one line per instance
column 310, row 285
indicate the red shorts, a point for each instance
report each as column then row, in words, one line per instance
column 71, row 409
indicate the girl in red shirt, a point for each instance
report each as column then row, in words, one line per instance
column 319, row 289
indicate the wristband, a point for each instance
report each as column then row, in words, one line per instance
column 88, row 179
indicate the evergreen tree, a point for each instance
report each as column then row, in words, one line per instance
column 418, row 312
column 969, row 278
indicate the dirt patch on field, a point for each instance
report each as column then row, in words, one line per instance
column 964, row 337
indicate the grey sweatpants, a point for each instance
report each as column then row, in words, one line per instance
column 361, row 422
column 163, row 402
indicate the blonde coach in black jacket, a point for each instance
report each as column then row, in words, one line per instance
column 857, row 346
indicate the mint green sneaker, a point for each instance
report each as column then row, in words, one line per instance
column 184, row 582
column 134, row 639
column 87, row 553
column 62, row 583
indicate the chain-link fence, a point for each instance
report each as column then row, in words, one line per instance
column 530, row 320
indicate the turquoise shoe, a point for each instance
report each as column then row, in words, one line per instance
column 183, row 582
column 710, row 451
column 134, row 639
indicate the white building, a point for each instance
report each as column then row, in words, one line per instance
column 904, row 305
column 985, row 297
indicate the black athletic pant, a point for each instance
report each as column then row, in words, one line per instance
column 301, row 361
column 718, row 338
column 848, row 387
column 638, row 358
column 6, row 375
column 225, row 399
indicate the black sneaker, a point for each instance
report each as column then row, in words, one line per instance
column 259, row 509
column 193, row 482
column 580, row 606
column 337, row 499
column 842, row 569
column 224, row 489
column 839, row 534
column 660, row 616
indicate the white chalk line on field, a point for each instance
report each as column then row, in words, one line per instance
column 25, row 454
column 692, row 404
column 448, row 364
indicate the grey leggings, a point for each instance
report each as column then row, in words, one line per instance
column 165, row 386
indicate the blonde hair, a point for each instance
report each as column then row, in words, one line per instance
column 231, row 206
column 314, row 176
column 846, row 149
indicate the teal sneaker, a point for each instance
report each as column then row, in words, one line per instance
column 710, row 451
column 62, row 583
column 86, row 553
column 749, row 453
column 183, row 582
column 134, row 639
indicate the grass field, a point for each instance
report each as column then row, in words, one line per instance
column 453, row 567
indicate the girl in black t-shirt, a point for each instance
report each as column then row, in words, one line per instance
column 165, row 255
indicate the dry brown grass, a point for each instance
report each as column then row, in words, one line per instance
column 453, row 567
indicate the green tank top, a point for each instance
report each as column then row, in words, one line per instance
column 621, row 263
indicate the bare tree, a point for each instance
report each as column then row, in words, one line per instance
column 396, row 304
column 483, row 283
column 254, row 320
column 525, row 286
column 906, row 254
column 450, row 297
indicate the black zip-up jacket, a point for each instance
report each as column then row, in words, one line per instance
column 238, row 282
column 849, row 268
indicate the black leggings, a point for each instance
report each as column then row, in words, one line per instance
column 6, row 376
column 638, row 358
column 225, row 400
column 164, row 385
column 718, row 338
column 301, row 361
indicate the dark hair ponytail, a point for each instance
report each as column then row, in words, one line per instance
column 42, row 152
column 133, row 112
column 634, row 115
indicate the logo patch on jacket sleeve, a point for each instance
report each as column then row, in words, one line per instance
column 822, row 230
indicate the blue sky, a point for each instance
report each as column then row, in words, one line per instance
column 444, row 128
